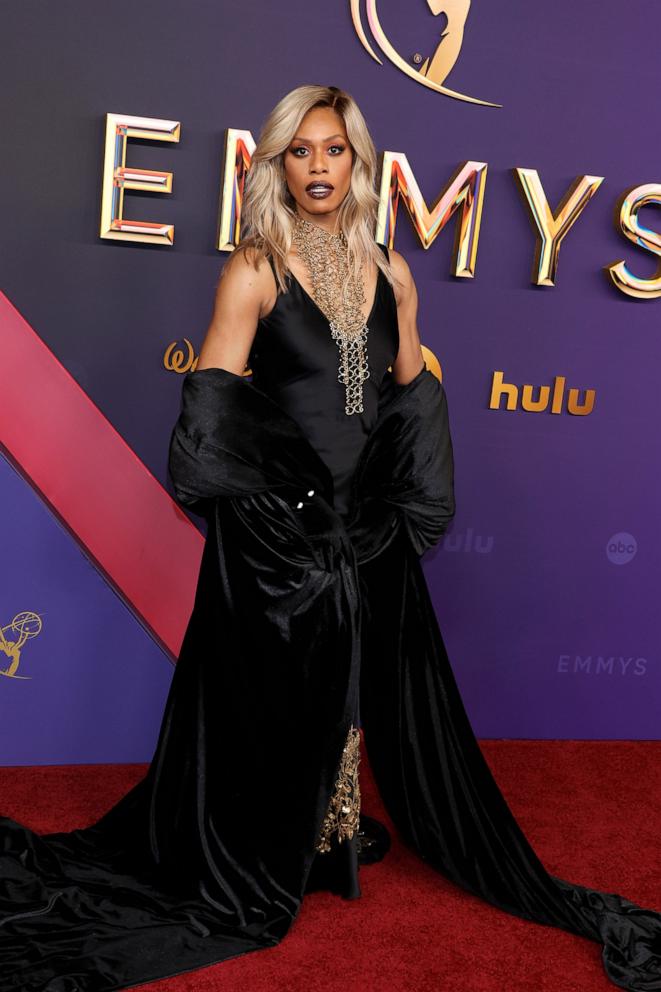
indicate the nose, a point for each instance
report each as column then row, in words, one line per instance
column 317, row 162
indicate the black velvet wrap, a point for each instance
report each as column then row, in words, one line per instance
column 301, row 617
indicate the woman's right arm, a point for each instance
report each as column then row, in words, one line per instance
column 243, row 295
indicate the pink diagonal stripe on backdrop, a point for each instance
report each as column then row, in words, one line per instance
column 107, row 498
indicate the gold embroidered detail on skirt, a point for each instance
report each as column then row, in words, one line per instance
column 343, row 813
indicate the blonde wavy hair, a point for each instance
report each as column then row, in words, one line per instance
column 268, row 207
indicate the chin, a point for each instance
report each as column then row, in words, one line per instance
column 321, row 206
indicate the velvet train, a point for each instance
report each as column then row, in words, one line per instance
column 302, row 621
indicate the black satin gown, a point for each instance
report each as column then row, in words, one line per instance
column 311, row 611
column 294, row 361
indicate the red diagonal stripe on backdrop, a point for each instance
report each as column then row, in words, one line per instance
column 106, row 497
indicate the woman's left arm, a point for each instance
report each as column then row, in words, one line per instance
column 409, row 361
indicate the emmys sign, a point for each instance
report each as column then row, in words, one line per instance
column 461, row 198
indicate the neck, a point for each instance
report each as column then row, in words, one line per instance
column 326, row 223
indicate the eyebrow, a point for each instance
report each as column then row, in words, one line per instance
column 309, row 142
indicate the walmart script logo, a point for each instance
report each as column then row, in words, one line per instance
column 446, row 45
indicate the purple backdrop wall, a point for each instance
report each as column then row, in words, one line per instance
column 549, row 634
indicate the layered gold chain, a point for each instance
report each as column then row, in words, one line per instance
column 340, row 297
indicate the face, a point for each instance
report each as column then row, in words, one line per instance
column 319, row 153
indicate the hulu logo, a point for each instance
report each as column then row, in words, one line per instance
column 541, row 403
column 467, row 542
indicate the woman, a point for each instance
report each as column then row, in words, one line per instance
column 322, row 481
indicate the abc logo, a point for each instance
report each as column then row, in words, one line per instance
column 621, row 548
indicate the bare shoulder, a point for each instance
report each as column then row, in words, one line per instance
column 246, row 280
column 245, row 292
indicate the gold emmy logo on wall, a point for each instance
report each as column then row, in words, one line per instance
column 511, row 392
column 433, row 70
column 23, row 626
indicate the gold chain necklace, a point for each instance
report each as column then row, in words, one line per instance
column 340, row 298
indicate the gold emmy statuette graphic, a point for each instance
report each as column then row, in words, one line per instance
column 24, row 625
column 434, row 69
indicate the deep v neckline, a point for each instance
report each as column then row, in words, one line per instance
column 316, row 306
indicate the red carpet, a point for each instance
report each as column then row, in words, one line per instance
column 590, row 808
